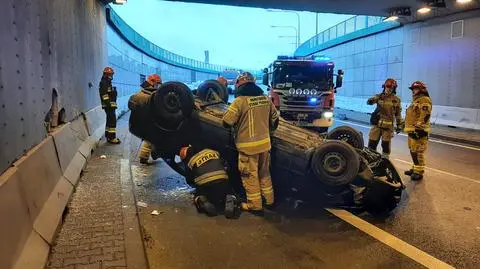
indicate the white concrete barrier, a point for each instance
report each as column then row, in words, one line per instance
column 36, row 189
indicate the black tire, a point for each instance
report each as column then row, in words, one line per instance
column 172, row 103
column 335, row 163
column 348, row 134
column 204, row 89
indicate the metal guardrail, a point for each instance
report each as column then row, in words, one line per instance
column 350, row 29
column 143, row 44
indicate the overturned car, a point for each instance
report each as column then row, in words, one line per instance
column 331, row 168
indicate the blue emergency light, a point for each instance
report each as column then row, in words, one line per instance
column 313, row 100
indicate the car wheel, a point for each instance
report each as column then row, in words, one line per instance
column 346, row 133
column 205, row 90
column 172, row 103
column 335, row 163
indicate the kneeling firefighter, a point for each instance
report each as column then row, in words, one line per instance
column 149, row 86
column 417, row 126
column 388, row 110
column 253, row 116
column 206, row 172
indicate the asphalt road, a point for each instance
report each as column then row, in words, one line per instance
column 437, row 223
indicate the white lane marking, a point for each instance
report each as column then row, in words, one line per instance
column 397, row 244
column 431, row 140
column 443, row 172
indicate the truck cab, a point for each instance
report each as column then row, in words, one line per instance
column 303, row 90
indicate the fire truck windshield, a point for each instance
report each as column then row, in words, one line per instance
column 302, row 73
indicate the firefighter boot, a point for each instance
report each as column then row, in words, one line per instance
column 409, row 172
column 416, row 177
column 204, row 206
column 230, row 206
column 114, row 141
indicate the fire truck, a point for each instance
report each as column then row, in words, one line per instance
column 303, row 90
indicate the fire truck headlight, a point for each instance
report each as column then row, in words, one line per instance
column 328, row 114
column 314, row 92
column 299, row 91
column 291, row 91
column 306, row 92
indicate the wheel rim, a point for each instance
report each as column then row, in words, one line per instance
column 334, row 163
column 172, row 102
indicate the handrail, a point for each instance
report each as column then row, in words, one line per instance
column 355, row 27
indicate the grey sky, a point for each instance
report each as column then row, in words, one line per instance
column 235, row 36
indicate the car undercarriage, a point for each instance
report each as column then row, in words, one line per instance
column 332, row 169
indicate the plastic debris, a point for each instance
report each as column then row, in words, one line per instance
column 155, row 213
column 142, row 204
column 103, row 157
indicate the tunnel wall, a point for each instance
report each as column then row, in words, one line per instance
column 427, row 51
column 45, row 46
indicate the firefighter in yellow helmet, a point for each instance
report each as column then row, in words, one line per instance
column 149, row 86
column 417, row 126
column 253, row 116
column 108, row 97
column 386, row 117
column 205, row 171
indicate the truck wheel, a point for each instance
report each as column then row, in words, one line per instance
column 335, row 163
column 205, row 90
column 346, row 133
column 172, row 103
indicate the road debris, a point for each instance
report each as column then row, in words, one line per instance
column 156, row 212
column 142, row 204
column 103, row 157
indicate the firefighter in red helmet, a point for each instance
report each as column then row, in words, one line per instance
column 386, row 118
column 417, row 126
column 149, row 86
column 108, row 97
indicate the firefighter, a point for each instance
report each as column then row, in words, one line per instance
column 108, row 97
column 417, row 126
column 150, row 85
column 253, row 116
column 387, row 113
column 206, row 171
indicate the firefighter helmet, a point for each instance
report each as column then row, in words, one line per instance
column 154, row 79
column 108, row 70
column 390, row 83
column 418, row 85
column 183, row 152
column 222, row 80
column 243, row 78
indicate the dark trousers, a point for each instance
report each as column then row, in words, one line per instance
column 111, row 124
column 215, row 192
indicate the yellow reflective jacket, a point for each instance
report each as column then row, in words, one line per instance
column 418, row 114
column 108, row 94
column 253, row 118
column 390, row 110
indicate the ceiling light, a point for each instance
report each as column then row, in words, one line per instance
column 464, row 1
column 424, row 10
column 119, row 2
column 391, row 18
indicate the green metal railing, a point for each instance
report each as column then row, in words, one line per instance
column 355, row 27
column 147, row 47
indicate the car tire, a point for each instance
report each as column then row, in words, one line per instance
column 335, row 163
column 212, row 85
column 172, row 103
column 348, row 134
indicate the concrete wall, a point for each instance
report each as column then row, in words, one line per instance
column 59, row 45
column 46, row 45
column 422, row 51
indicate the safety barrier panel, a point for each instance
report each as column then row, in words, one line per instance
column 36, row 189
